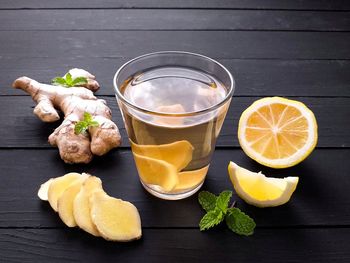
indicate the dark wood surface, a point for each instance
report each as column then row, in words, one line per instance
column 296, row 49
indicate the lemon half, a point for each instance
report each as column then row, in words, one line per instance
column 277, row 132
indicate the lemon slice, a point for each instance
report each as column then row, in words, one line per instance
column 261, row 191
column 277, row 132
column 156, row 172
column 190, row 179
column 179, row 153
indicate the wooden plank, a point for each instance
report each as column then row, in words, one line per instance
column 142, row 19
column 23, row 129
column 321, row 198
column 177, row 245
column 217, row 44
column 234, row 4
column 253, row 77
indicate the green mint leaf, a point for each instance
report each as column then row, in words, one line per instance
column 223, row 200
column 207, row 200
column 93, row 124
column 87, row 117
column 79, row 81
column 81, row 127
column 239, row 222
column 210, row 219
column 69, row 79
column 59, row 81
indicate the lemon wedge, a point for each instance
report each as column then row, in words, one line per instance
column 261, row 191
column 156, row 172
column 277, row 132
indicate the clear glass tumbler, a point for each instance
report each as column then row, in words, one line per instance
column 173, row 105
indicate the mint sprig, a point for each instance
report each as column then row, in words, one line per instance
column 82, row 126
column 217, row 208
column 67, row 81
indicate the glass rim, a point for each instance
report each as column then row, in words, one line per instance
column 164, row 114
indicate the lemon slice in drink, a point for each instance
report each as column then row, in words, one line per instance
column 261, row 191
column 178, row 153
column 156, row 172
column 277, row 132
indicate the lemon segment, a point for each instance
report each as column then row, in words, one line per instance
column 156, row 172
column 261, row 191
column 277, row 132
column 190, row 179
column 178, row 154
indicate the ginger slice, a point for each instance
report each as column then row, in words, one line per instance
column 66, row 201
column 178, row 153
column 58, row 186
column 43, row 190
column 115, row 219
column 81, row 206
column 190, row 179
column 156, row 172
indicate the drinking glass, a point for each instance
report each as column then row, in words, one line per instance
column 173, row 105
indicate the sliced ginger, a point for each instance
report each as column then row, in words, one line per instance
column 66, row 201
column 189, row 179
column 81, row 206
column 156, row 172
column 81, row 201
column 43, row 190
column 58, row 186
column 115, row 219
column 177, row 153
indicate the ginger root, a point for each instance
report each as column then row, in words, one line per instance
column 74, row 102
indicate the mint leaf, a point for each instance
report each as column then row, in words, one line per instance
column 59, row 81
column 207, row 200
column 93, row 124
column 87, row 117
column 81, row 127
column 223, row 200
column 79, row 81
column 210, row 219
column 69, row 79
column 239, row 222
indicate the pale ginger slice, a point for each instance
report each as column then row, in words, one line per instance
column 81, row 206
column 115, row 219
column 43, row 190
column 58, row 186
column 74, row 102
column 66, row 201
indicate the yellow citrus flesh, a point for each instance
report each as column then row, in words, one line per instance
column 261, row 191
column 277, row 132
column 156, row 172
column 178, row 154
column 191, row 179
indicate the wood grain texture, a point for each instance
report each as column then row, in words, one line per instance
column 177, row 245
column 216, row 44
column 180, row 4
column 142, row 19
column 22, row 129
column 253, row 77
column 320, row 200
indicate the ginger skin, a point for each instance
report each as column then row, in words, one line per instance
column 73, row 102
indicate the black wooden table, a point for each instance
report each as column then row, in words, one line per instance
column 297, row 49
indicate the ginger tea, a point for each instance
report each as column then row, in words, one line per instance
column 173, row 136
